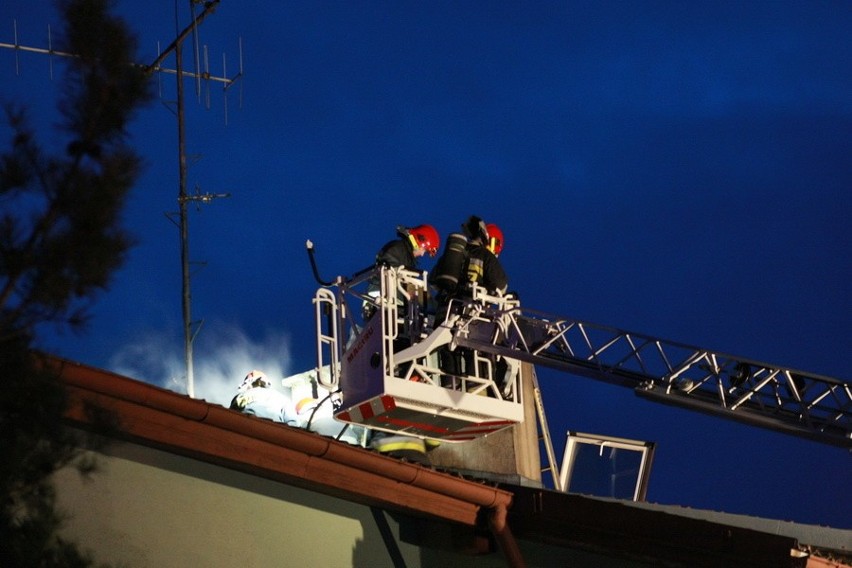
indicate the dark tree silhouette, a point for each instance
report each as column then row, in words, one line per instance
column 60, row 243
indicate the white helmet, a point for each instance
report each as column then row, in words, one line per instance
column 255, row 379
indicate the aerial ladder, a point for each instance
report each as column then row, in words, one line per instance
column 383, row 344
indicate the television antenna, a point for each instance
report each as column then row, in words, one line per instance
column 205, row 77
column 190, row 327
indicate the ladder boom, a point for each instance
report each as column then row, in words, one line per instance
column 794, row 402
column 408, row 339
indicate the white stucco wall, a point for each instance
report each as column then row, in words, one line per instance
column 148, row 508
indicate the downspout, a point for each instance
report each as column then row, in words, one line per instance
column 504, row 537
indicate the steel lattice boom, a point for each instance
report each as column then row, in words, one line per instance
column 790, row 401
column 491, row 329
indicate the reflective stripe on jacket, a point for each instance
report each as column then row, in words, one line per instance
column 390, row 443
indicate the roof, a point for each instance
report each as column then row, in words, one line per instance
column 160, row 418
column 167, row 420
column 661, row 534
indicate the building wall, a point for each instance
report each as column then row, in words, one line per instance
column 146, row 508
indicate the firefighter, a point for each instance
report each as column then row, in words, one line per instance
column 484, row 245
column 404, row 251
column 256, row 396
column 411, row 244
column 470, row 259
column 494, row 279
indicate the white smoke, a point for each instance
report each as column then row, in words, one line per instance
column 222, row 356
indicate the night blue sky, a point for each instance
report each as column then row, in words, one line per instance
column 676, row 169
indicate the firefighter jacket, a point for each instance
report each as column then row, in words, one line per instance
column 485, row 270
column 397, row 253
column 317, row 416
column 266, row 402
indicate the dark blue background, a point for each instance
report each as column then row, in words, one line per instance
column 677, row 169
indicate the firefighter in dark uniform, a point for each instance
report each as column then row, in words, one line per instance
column 483, row 268
column 468, row 259
column 494, row 280
column 404, row 251
column 412, row 243
column 471, row 258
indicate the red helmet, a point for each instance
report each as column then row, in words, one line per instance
column 495, row 238
column 426, row 238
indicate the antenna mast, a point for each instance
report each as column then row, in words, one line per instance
column 189, row 330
